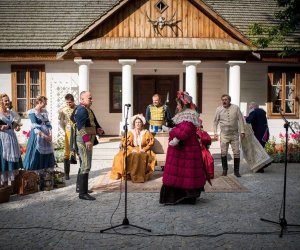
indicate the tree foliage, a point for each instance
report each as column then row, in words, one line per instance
column 288, row 18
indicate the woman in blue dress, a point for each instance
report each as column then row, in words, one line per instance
column 10, row 155
column 39, row 152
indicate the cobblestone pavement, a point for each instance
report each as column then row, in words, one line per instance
column 59, row 220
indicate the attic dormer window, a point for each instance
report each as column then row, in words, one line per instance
column 161, row 6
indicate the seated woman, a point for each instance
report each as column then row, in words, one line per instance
column 141, row 159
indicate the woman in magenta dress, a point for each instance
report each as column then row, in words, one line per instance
column 183, row 177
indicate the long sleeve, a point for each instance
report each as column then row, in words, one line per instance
column 183, row 130
column 148, row 141
column 36, row 127
column 250, row 118
column 81, row 116
column 147, row 115
column 216, row 120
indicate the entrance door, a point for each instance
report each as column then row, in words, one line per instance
column 147, row 85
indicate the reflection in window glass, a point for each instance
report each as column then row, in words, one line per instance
column 283, row 89
column 21, row 105
column 28, row 85
column 276, row 92
column 116, row 92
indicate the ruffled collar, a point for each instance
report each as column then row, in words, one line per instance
column 187, row 115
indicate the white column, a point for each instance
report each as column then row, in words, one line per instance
column 235, row 81
column 127, row 87
column 191, row 79
column 83, row 72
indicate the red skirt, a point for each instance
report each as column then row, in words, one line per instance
column 208, row 162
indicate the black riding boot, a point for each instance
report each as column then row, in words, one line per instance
column 77, row 181
column 237, row 167
column 224, row 165
column 67, row 169
column 83, row 188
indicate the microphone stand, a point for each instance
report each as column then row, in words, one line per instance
column 282, row 220
column 125, row 220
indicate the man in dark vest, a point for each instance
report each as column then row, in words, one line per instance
column 87, row 127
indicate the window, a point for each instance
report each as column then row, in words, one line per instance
column 115, row 92
column 283, row 92
column 28, row 81
column 161, row 6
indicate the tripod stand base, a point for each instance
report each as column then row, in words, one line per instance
column 282, row 223
column 125, row 223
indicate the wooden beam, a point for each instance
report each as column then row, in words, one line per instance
column 21, row 56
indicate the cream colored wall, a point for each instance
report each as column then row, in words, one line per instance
column 214, row 85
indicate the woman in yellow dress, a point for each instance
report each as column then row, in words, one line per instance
column 141, row 159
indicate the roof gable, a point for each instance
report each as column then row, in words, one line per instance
column 52, row 25
column 181, row 19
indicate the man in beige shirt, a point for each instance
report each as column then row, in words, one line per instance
column 232, row 124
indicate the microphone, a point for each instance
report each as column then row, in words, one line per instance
column 128, row 105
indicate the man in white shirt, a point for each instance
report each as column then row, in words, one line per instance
column 232, row 125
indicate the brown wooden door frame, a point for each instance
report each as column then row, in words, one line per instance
column 160, row 84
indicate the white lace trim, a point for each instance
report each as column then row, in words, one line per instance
column 187, row 115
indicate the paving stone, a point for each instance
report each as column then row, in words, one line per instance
column 59, row 220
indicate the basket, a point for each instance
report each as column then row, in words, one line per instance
column 5, row 194
column 26, row 182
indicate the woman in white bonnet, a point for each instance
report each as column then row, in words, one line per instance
column 141, row 159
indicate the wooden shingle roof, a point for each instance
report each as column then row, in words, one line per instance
column 51, row 24
column 243, row 13
column 46, row 24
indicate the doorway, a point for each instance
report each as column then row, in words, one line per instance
column 145, row 86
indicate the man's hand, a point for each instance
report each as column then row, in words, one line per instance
column 216, row 136
column 89, row 145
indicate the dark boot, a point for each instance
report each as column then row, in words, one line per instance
column 83, row 188
column 224, row 165
column 237, row 167
column 77, row 183
column 67, row 169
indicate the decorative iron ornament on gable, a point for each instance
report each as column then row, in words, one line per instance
column 161, row 21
